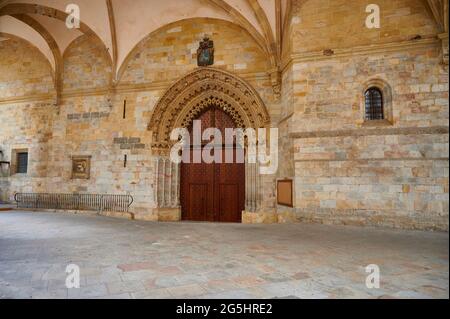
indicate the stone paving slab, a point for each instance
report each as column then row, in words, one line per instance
column 122, row 259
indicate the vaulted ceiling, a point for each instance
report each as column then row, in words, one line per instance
column 122, row 24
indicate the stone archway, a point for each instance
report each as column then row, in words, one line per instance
column 182, row 103
column 185, row 99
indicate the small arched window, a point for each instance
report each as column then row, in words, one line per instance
column 374, row 104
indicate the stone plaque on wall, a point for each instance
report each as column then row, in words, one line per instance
column 81, row 167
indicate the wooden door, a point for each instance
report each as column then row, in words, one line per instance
column 229, row 181
column 197, row 191
column 213, row 192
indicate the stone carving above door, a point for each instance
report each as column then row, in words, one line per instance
column 205, row 52
column 204, row 87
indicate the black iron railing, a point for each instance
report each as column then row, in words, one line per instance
column 89, row 202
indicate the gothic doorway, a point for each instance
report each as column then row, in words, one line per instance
column 213, row 192
column 202, row 192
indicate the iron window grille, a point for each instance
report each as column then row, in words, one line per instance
column 374, row 104
column 22, row 163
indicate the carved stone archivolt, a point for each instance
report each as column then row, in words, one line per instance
column 183, row 102
column 202, row 88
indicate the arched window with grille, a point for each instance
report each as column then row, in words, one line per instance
column 374, row 104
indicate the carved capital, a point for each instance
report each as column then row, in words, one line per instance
column 275, row 79
column 444, row 41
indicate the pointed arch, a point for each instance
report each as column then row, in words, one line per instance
column 28, row 8
column 33, row 23
column 198, row 90
column 87, row 42
column 49, row 94
column 123, row 66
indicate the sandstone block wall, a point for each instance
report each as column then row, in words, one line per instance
column 321, row 24
column 172, row 52
column 23, row 70
column 346, row 171
column 86, row 65
column 90, row 117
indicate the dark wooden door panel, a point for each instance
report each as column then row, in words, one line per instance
column 198, row 205
column 228, row 203
column 213, row 192
column 229, row 179
column 197, row 190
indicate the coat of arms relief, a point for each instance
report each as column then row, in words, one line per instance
column 205, row 52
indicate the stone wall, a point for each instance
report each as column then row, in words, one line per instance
column 91, row 121
column 172, row 51
column 346, row 171
column 321, row 24
column 24, row 125
column 95, row 126
column 328, row 94
column 87, row 65
column 24, row 71
column 397, row 179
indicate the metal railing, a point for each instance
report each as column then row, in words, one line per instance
column 89, row 202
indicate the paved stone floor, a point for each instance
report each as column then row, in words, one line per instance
column 131, row 259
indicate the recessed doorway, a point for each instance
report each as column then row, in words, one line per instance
column 213, row 192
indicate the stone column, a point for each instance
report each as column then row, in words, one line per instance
column 167, row 188
column 252, row 187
